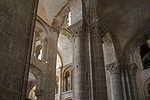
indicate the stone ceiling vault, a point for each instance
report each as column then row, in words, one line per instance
column 124, row 19
column 49, row 9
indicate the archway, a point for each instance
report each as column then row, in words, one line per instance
column 38, row 87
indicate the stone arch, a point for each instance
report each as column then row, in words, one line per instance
column 32, row 93
column 134, row 44
column 39, row 79
column 66, row 33
column 108, row 49
column 138, row 41
column 67, row 71
column 133, row 57
column 31, row 84
column 40, row 23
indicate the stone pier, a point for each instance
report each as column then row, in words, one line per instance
column 80, row 81
column 99, row 79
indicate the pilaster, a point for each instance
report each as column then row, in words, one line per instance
column 98, row 69
column 60, row 83
column 50, row 72
column 132, row 70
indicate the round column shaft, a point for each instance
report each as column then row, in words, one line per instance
column 60, row 83
column 132, row 69
column 50, row 74
column 80, row 81
column 115, row 81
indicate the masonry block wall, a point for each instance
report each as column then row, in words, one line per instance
column 15, row 32
column 109, row 50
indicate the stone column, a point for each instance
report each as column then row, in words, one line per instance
column 71, row 80
column 50, row 72
column 60, row 83
column 132, row 69
column 44, row 49
column 115, row 81
column 80, row 81
column 99, row 79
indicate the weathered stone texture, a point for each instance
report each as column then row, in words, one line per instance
column 109, row 50
column 15, row 28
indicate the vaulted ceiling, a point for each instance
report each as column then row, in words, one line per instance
column 124, row 19
column 48, row 10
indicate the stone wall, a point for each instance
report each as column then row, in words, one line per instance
column 109, row 50
column 16, row 17
column 76, row 10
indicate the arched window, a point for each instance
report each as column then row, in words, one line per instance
column 68, row 81
column 40, row 55
column 69, row 19
column 145, row 55
column 146, row 62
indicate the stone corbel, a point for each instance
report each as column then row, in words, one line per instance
column 115, row 67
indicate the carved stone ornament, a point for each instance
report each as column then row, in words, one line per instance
column 132, row 68
column 114, row 68
column 96, row 30
column 78, row 29
column 39, row 92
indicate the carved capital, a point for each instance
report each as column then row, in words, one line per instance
column 96, row 30
column 39, row 92
column 77, row 29
column 114, row 68
column 132, row 68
